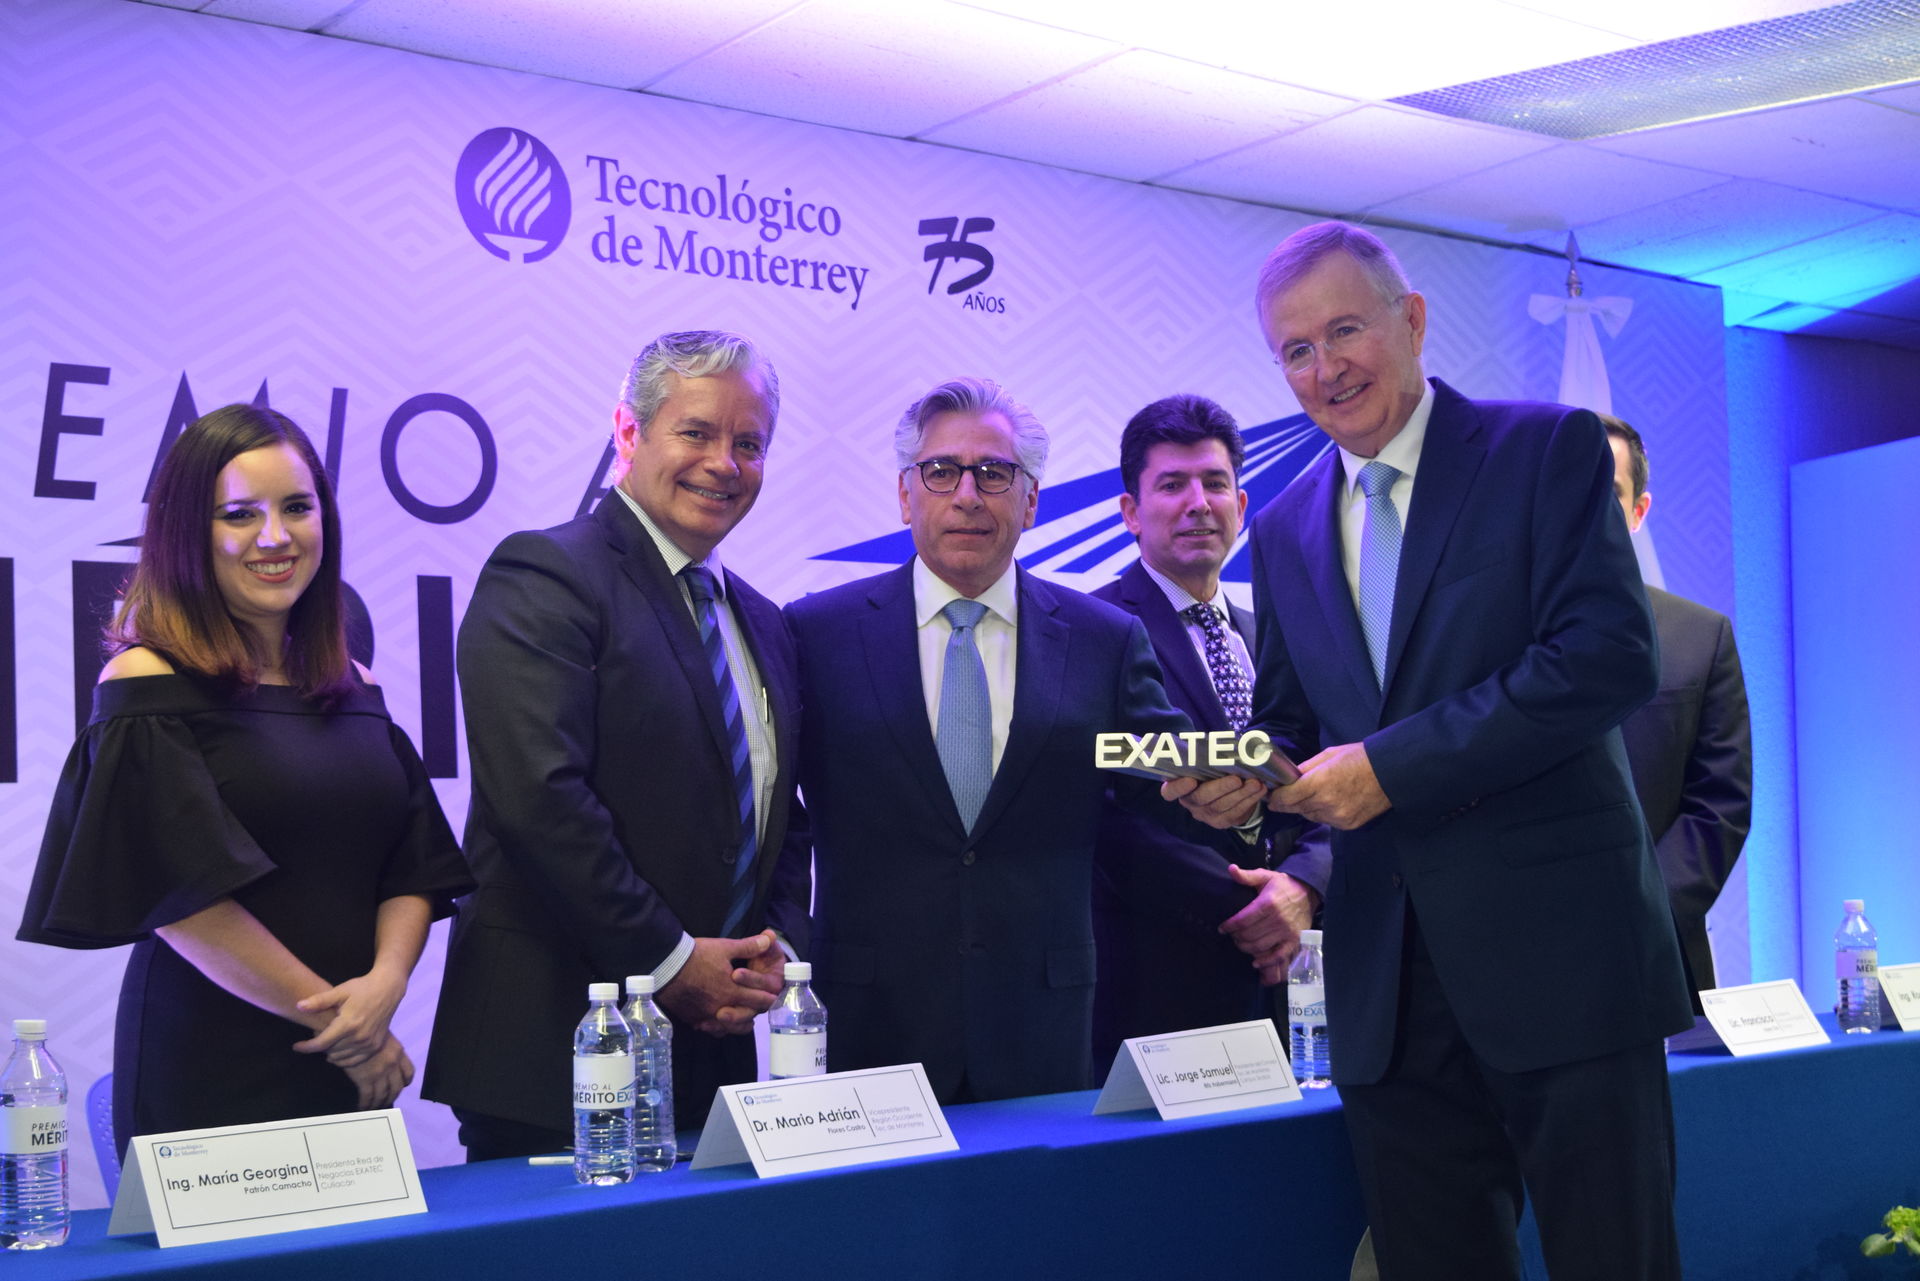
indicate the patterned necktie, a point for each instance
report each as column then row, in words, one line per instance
column 1379, row 562
column 1229, row 678
column 700, row 586
column 965, row 735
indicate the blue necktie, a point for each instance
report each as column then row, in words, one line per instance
column 700, row 587
column 1379, row 562
column 965, row 735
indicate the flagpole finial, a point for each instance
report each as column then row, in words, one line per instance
column 1574, row 287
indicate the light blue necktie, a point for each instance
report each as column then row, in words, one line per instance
column 700, row 586
column 965, row 735
column 1379, row 562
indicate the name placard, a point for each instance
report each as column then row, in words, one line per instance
column 1759, row 1018
column 824, row 1122
column 250, row 1180
column 1900, row 985
column 1207, row 1070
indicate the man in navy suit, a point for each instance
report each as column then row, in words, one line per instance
column 1691, row 747
column 947, row 762
column 1463, row 632
column 1174, row 950
column 632, row 720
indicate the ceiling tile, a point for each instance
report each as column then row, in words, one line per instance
column 1356, row 161
column 1139, row 115
column 302, row 15
column 598, row 43
column 1335, row 48
column 1906, row 97
column 1550, row 191
column 1717, row 226
column 881, row 66
column 1842, row 146
column 1873, row 256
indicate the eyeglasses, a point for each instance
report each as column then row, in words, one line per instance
column 942, row 475
column 1298, row 356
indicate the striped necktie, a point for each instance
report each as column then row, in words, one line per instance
column 700, row 586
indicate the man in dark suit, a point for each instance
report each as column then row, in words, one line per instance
column 1171, row 916
column 1501, row 963
column 632, row 722
column 947, row 762
column 1690, row 747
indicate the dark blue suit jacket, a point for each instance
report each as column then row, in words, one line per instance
column 1692, row 755
column 971, row 953
column 1520, row 640
column 1158, row 900
column 603, row 820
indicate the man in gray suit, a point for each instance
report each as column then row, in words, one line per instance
column 1690, row 745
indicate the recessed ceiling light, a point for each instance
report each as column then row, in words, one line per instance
column 1848, row 48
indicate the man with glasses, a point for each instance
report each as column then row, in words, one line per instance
column 947, row 763
column 1452, row 628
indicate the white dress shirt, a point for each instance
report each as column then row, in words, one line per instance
column 1402, row 453
column 755, row 710
column 995, row 637
column 1182, row 600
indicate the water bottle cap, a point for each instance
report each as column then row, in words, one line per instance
column 639, row 984
column 798, row 971
column 1853, row 905
column 603, row 991
column 1309, row 938
column 30, row 1029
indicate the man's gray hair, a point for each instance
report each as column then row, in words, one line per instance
column 1306, row 248
column 696, row 353
column 972, row 396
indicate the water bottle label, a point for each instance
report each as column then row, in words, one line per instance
column 1863, row 964
column 797, row 1054
column 602, row 1082
column 33, row 1131
column 1306, row 1003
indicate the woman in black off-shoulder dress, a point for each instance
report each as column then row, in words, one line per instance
column 241, row 809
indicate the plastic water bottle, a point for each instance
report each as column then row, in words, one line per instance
column 1856, row 965
column 654, row 1148
column 1307, row 1014
column 33, row 1143
column 797, row 1027
column 603, row 1090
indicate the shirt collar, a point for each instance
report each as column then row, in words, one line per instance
column 1179, row 597
column 931, row 594
column 1402, row 453
column 670, row 551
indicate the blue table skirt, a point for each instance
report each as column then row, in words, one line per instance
column 1785, row 1161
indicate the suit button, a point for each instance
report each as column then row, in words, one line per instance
column 1396, row 880
column 966, row 860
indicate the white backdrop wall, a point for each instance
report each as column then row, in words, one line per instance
column 200, row 210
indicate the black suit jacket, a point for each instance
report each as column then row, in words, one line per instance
column 1520, row 640
column 1158, row 901
column 1692, row 755
column 603, row 821
column 969, row 952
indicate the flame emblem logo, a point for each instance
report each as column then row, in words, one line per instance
column 513, row 196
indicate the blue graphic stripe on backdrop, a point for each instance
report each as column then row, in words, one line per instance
column 1277, row 452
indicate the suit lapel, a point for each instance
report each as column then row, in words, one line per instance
column 1040, row 673
column 1188, row 681
column 640, row 560
column 1320, row 544
column 1450, row 457
column 890, row 639
column 759, row 621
